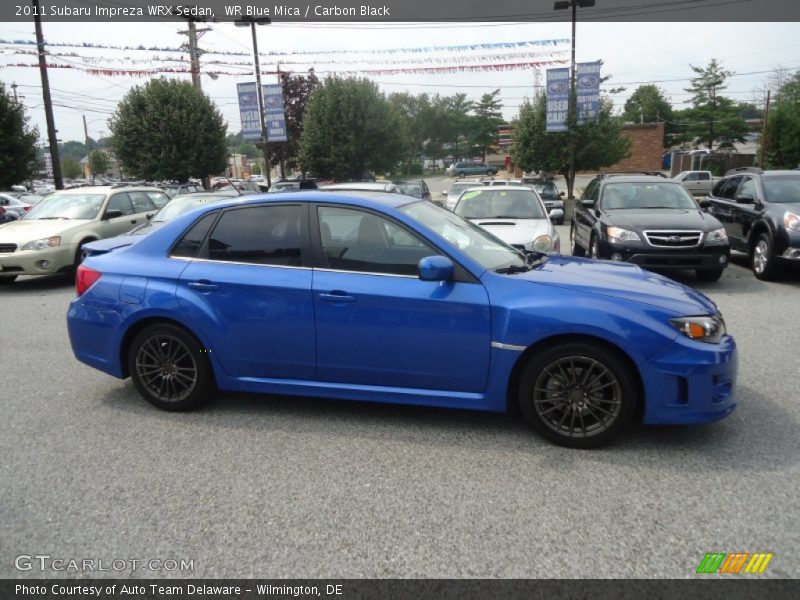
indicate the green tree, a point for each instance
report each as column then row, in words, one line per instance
column 649, row 104
column 783, row 127
column 487, row 118
column 597, row 145
column 350, row 129
column 166, row 129
column 713, row 118
column 98, row 162
column 17, row 142
column 70, row 168
column 297, row 89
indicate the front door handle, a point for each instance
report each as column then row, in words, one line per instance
column 203, row 286
column 134, row 221
column 337, row 296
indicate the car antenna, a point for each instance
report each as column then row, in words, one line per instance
column 238, row 191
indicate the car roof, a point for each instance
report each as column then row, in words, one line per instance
column 107, row 189
column 378, row 186
column 638, row 179
column 391, row 199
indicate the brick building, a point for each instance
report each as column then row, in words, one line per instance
column 647, row 147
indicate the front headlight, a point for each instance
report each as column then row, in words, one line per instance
column 543, row 243
column 718, row 235
column 617, row 235
column 50, row 242
column 707, row 328
column 791, row 221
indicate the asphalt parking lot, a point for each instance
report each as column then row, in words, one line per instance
column 291, row 487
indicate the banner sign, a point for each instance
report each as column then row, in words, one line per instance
column 273, row 112
column 248, row 110
column 557, row 99
column 587, row 86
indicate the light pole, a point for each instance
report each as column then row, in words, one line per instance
column 252, row 22
column 571, row 116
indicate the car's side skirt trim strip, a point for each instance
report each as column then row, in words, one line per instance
column 501, row 346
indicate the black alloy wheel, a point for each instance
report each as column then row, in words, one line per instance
column 169, row 368
column 579, row 394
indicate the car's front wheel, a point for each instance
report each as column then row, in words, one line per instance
column 762, row 259
column 594, row 248
column 460, row 174
column 578, row 394
column 575, row 247
column 169, row 368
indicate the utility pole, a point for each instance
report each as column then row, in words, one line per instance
column 281, row 147
column 48, row 103
column 86, row 144
column 14, row 89
column 764, row 132
column 194, row 52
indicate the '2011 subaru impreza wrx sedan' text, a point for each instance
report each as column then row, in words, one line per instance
column 383, row 297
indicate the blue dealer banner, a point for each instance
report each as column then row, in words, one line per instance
column 248, row 110
column 273, row 112
column 587, row 91
column 557, row 99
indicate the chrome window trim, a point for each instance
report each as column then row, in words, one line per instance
column 326, row 270
column 233, row 262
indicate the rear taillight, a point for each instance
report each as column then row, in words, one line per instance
column 85, row 278
column 26, row 208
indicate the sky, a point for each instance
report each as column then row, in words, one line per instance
column 632, row 53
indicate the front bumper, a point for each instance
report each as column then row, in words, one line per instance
column 691, row 382
column 649, row 257
column 37, row 262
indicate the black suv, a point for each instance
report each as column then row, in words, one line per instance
column 761, row 213
column 650, row 221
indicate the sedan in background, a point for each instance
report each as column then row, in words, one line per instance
column 362, row 186
column 13, row 204
column 453, row 193
column 178, row 206
column 386, row 298
column 514, row 214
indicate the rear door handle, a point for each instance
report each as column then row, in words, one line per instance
column 203, row 286
column 337, row 296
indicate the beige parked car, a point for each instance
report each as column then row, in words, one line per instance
column 49, row 237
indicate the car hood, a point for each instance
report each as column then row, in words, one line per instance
column 516, row 231
column 23, row 231
column 661, row 218
column 620, row 280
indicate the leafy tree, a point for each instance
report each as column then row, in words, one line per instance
column 649, row 104
column 597, row 145
column 70, row 168
column 17, row 142
column 98, row 162
column 783, row 128
column 166, row 129
column 458, row 120
column 748, row 110
column 487, row 117
column 296, row 91
column 350, row 129
column 713, row 117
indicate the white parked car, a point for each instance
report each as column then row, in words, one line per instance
column 453, row 193
column 515, row 214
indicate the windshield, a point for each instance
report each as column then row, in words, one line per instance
column 457, row 188
column 410, row 189
column 547, row 191
column 67, row 206
column 782, row 190
column 500, row 204
column 480, row 245
column 621, row 196
column 183, row 204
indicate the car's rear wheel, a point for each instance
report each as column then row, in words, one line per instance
column 578, row 394
column 576, row 248
column 491, row 173
column 7, row 280
column 709, row 274
column 762, row 259
column 460, row 174
column 169, row 368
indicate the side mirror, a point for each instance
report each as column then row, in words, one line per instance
column 436, row 268
column 587, row 203
column 745, row 199
column 112, row 214
column 561, row 194
column 444, row 193
column 556, row 214
column 150, row 215
column 704, row 203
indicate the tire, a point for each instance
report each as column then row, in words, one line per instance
column 594, row 248
column 460, row 174
column 7, row 280
column 709, row 274
column 79, row 255
column 573, row 243
column 762, row 260
column 491, row 173
column 557, row 400
column 169, row 368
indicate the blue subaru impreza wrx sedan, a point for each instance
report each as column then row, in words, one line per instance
column 386, row 298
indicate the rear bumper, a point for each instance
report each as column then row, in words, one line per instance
column 691, row 383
